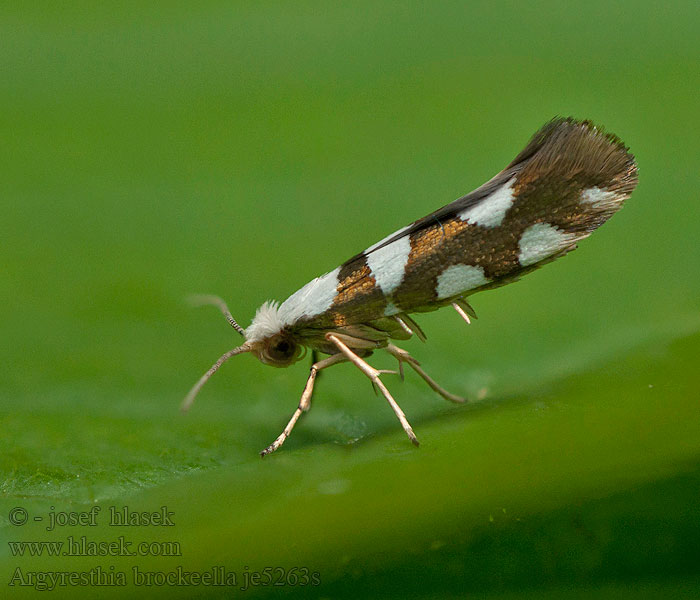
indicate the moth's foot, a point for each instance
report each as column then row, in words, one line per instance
column 272, row 447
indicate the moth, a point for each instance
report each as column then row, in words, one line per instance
column 567, row 181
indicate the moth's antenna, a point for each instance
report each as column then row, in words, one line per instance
column 203, row 300
column 189, row 399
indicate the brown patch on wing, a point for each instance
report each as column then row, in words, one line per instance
column 358, row 299
column 357, row 284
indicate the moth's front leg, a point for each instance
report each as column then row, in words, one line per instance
column 305, row 402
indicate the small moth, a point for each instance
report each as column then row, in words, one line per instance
column 569, row 179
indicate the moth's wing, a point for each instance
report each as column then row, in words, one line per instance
column 568, row 180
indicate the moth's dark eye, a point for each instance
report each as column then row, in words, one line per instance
column 282, row 350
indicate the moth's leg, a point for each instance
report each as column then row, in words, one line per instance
column 413, row 326
column 305, row 402
column 404, row 320
column 314, row 360
column 464, row 309
column 373, row 375
column 403, row 356
column 461, row 312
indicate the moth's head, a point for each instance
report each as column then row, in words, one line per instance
column 270, row 340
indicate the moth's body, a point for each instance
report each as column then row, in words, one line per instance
column 567, row 182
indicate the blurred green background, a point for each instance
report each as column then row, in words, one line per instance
column 151, row 152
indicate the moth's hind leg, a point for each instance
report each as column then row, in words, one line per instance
column 404, row 357
column 305, row 402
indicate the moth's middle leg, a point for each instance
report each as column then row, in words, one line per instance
column 373, row 375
